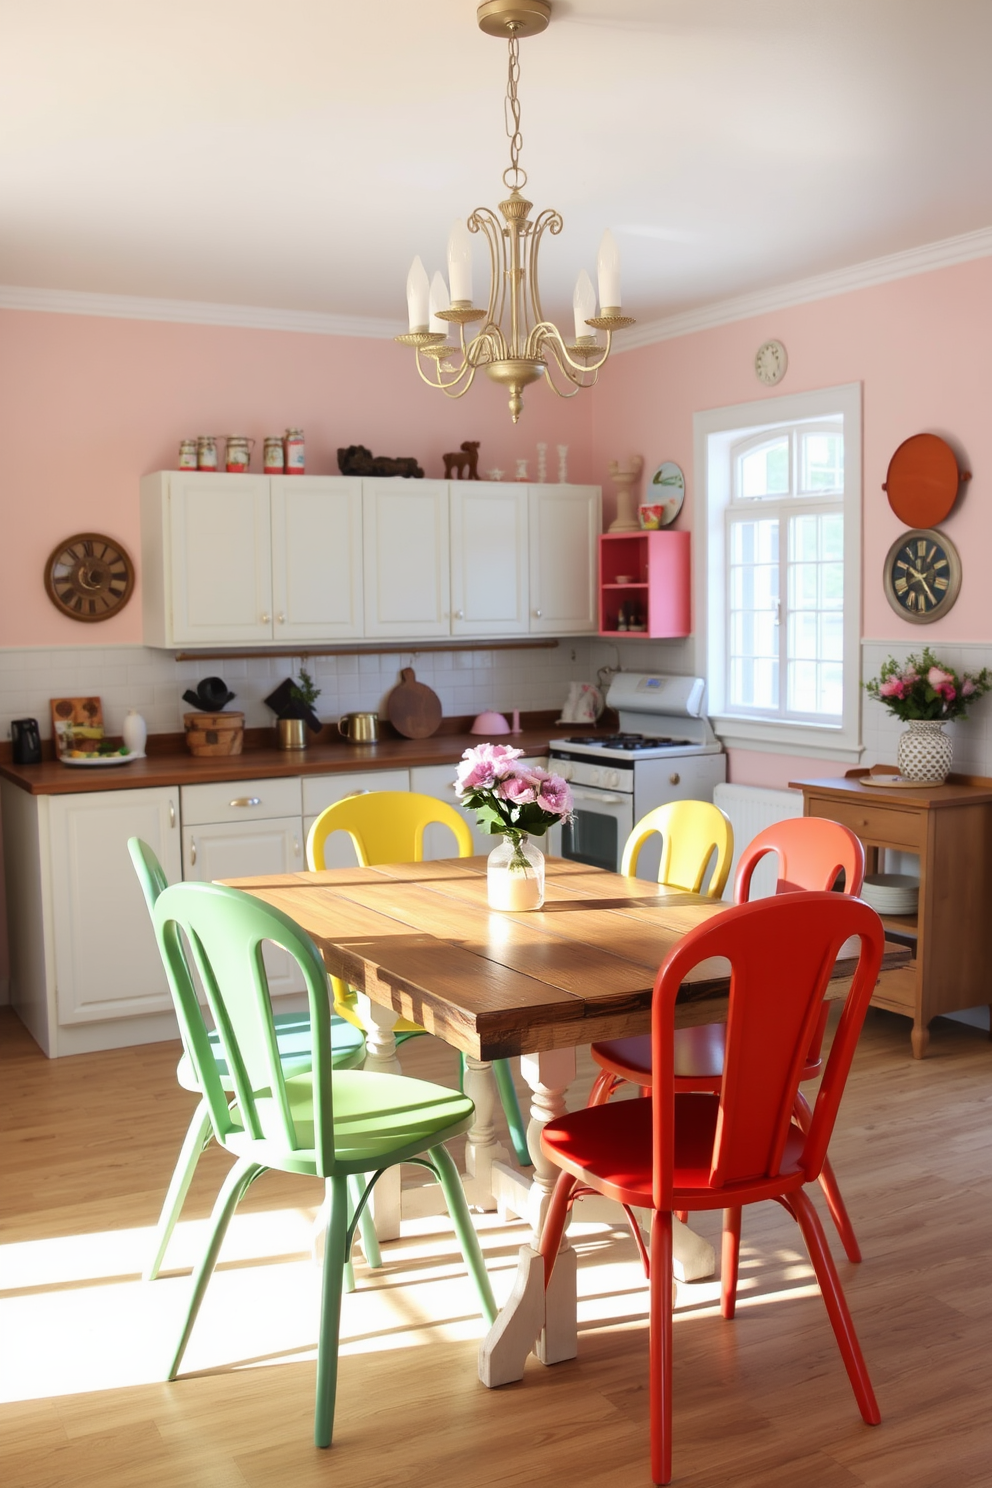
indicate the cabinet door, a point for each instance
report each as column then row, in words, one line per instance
column 564, row 529
column 316, row 558
column 245, row 850
column 221, row 559
column 406, row 558
column 489, row 571
column 107, row 963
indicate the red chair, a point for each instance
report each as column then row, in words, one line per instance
column 811, row 852
column 743, row 1145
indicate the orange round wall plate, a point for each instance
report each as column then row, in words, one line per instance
column 923, row 480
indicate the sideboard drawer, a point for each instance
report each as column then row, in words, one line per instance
column 882, row 826
column 241, row 800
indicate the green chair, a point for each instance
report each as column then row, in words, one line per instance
column 333, row 1124
column 293, row 1040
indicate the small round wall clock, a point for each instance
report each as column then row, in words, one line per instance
column 89, row 577
column 922, row 575
column 771, row 363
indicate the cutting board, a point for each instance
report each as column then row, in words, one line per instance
column 413, row 708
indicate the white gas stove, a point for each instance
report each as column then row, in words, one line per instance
column 665, row 751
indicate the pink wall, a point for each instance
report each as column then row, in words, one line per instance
column 89, row 405
column 922, row 349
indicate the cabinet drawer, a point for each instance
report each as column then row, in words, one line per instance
column 241, row 800
column 321, row 791
column 883, row 826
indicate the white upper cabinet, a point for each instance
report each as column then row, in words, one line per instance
column 234, row 560
column 565, row 523
column 316, row 558
column 407, row 590
column 489, row 574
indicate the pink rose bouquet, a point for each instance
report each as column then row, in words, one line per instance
column 924, row 688
column 509, row 799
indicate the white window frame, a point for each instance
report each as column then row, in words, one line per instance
column 716, row 430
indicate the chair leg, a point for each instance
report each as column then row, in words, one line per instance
column 503, row 1076
column 366, row 1224
column 831, row 1189
column 232, row 1190
column 197, row 1136
column 454, row 1194
column 330, row 1311
column 554, row 1223
column 603, row 1087
column 836, row 1305
column 661, row 1346
column 730, row 1261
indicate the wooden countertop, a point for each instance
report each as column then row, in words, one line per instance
column 957, row 790
column 50, row 778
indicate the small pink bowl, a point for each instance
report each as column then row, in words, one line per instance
column 490, row 723
column 649, row 515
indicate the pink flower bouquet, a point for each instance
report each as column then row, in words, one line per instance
column 509, row 799
column 924, row 688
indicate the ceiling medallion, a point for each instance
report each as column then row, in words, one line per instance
column 515, row 344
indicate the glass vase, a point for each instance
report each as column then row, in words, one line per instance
column 515, row 875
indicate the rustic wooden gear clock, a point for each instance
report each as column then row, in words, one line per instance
column 922, row 575
column 89, row 577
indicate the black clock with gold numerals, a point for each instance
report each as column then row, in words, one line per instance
column 89, row 577
column 922, row 575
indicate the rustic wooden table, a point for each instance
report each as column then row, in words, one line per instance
column 418, row 941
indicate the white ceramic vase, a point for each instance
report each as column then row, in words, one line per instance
column 515, row 875
column 924, row 751
column 134, row 732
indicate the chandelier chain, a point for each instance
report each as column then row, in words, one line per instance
column 512, row 111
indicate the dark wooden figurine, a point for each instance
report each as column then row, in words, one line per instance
column 463, row 464
column 357, row 460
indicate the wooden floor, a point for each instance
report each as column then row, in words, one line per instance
column 88, row 1144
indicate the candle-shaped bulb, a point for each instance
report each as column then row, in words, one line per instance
column 584, row 304
column 460, row 262
column 417, row 295
column 439, row 301
column 608, row 268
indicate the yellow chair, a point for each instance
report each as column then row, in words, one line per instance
column 691, row 832
column 389, row 827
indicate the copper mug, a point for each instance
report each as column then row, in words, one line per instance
column 360, row 728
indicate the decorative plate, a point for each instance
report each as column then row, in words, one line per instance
column 667, row 487
column 898, row 782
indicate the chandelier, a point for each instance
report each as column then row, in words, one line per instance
column 515, row 344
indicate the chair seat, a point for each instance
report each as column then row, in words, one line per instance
column 378, row 1119
column 295, row 1049
column 698, row 1055
column 609, row 1147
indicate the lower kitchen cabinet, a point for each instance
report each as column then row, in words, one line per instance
column 85, row 969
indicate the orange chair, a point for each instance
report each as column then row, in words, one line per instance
column 679, row 1151
column 811, row 853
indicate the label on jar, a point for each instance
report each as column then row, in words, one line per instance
column 273, row 459
column 187, row 454
column 295, row 453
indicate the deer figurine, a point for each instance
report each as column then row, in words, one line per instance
column 463, row 464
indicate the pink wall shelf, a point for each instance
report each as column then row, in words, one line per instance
column 644, row 576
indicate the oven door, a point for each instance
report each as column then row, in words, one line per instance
column 601, row 824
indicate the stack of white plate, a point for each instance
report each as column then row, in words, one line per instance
column 891, row 893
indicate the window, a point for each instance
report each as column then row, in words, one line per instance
column 781, row 571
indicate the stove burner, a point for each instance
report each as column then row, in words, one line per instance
column 628, row 742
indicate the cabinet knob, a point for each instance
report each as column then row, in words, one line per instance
column 266, row 618
column 537, row 614
column 459, row 614
column 281, row 618
column 675, row 778
column 192, row 850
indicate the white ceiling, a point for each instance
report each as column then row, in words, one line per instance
column 298, row 153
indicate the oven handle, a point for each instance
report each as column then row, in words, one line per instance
column 605, row 798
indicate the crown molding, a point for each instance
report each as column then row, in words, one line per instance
column 194, row 312
column 940, row 255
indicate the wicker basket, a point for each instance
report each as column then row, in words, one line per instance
column 214, row 733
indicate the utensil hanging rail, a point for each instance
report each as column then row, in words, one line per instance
column 418, row 648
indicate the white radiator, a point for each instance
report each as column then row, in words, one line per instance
column 752, row 808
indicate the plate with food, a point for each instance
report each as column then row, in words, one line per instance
column 90, row 758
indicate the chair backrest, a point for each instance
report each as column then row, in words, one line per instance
column 151, row 874
column 221, row 931
column 811, row 851
column 386, row 827
column 781, row 952
column 691, row 832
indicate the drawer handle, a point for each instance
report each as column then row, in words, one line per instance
column 192, row 850
column 246, row 801
column 172, row 815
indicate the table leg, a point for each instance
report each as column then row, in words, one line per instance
column 481, row 1147
column 380, row 1056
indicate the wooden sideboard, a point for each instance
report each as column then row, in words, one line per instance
column 950, row 827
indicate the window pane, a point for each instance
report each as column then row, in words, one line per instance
column 753, row 635
column 765, row 471
column 822, row 463
column 815, row 624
